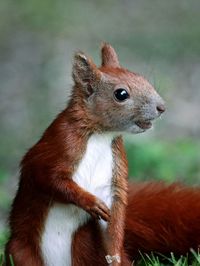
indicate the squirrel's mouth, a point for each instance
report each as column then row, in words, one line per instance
column 144, row 124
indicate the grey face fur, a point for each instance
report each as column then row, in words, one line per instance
column 134, row 114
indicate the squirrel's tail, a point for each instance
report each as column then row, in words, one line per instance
column 162, row 218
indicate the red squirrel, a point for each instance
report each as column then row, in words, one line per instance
column 77, row 172
column 160, row 218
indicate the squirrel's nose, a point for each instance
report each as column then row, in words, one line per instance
column 160, row 108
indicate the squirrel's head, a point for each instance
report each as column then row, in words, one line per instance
column 120, row 100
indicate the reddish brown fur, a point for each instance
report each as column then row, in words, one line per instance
column 114, row 240
column 160, row 218
column 109, row 58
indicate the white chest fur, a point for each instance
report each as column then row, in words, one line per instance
column 94, row 174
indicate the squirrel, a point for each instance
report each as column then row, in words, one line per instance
column 77, row 171
column 160, row 218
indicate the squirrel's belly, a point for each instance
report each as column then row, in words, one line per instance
column 61, row 223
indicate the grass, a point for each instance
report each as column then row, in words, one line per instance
column 2, row 260
column 3, row 239
column 155, row 260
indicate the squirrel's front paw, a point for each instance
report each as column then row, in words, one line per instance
column 99, row 210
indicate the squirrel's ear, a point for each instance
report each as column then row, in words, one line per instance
column 109, row 56
column 84, row 70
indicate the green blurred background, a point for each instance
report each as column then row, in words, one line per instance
column 160, row 39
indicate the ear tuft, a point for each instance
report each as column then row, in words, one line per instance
column 81, row 57
column 84, row 70
column 109, row 56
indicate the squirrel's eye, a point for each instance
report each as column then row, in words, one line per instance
column 121, row 95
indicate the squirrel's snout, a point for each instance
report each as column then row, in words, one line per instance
column 161, row 108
